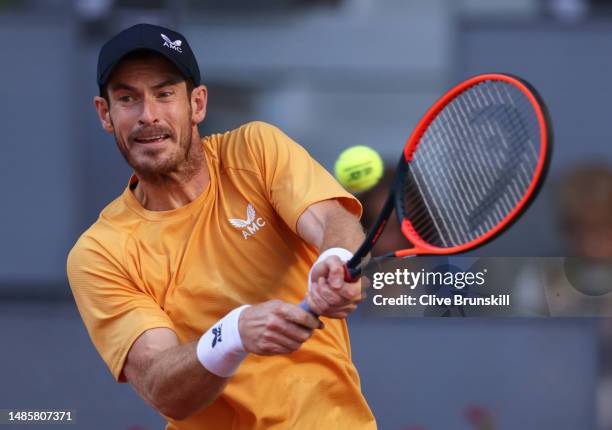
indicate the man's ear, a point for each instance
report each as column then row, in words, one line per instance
column 199, row 98
column 103, row 110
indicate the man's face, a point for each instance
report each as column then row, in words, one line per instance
column 150, row 115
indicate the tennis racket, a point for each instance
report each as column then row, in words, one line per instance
column 471, row 167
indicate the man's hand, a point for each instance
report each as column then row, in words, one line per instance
column 327, row 224
column 275, row 327
column 330, row 295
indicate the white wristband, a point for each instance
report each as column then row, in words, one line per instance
column 220, row 349
column 344, row 255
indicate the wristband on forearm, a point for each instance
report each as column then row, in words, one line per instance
column 220, row 349
column 344, row 255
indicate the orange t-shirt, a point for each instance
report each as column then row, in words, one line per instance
column 236, row 243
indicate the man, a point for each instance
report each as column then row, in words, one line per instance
column 187, row 282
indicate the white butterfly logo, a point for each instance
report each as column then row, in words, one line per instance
column 176, row 44
column 243, row 223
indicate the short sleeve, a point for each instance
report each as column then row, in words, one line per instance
column 293, row 179
column 114, row 311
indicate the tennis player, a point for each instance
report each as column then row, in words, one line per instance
column 188, row 281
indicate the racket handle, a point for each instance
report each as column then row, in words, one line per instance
column 304, row 305
column 351, row 274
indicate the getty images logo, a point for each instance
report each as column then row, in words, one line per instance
column 250, row 225
column 168, row 43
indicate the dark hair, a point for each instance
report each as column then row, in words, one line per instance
column 144, row 54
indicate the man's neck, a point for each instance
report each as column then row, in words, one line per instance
column 177, row 189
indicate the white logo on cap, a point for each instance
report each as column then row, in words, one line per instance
column 176, row 45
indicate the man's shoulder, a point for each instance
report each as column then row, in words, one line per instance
column 108, row 234
column 250, row 131
column 243, row 147
column 248, row 136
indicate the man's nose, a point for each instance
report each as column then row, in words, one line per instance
column 148, row 114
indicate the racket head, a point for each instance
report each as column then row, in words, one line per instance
column 473, row 165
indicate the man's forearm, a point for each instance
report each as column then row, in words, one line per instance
column 179, row 380
column 342, row 229
column 327, row 224
column 177, row 384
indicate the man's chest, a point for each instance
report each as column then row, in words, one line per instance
column 234, row 249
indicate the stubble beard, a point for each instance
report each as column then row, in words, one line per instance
column 182, row 162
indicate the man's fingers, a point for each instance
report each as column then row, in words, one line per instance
column 318, row 270
column 317, row 303
column 344, row 311
column 331, row 296
column 299, row 316
column 332, row 268
column 281, row 335
column 268, row 328
column 325, row 301
column 336, row 276
column 352, row 291
column 272, row 343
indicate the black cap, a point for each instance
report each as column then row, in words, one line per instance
column 169, row 43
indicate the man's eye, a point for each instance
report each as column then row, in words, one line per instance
column 125, row 99
column 165, row 94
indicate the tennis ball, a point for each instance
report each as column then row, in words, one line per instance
column 358, row 168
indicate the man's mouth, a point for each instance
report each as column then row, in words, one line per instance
column 152, row 139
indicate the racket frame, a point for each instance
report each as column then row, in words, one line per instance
column 352, row 269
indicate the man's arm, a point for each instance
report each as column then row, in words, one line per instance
column 170, row 377
column 328, row 224
column 155, row 365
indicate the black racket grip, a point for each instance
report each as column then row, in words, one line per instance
column 351, row 274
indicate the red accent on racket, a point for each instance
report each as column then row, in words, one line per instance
column 471, row 167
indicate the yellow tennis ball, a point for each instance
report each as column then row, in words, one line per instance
column 358, row 168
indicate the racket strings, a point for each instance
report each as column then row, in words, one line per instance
column 473, row 165
column 414, row 204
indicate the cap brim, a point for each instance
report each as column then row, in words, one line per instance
column 111, row 67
